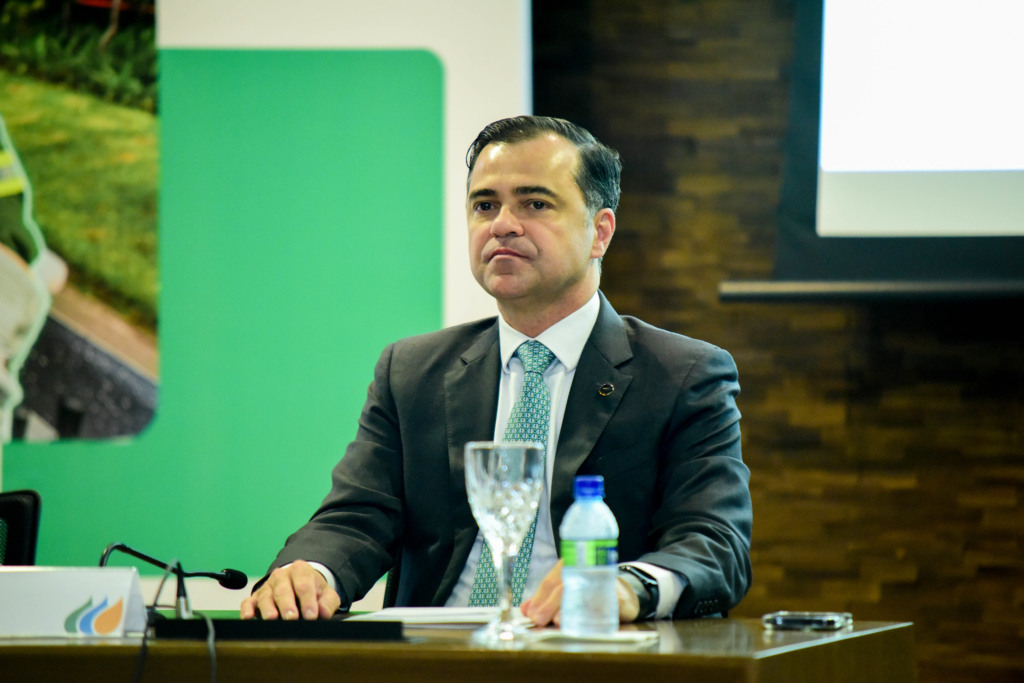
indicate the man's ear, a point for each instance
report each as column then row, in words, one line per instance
column 604, row 228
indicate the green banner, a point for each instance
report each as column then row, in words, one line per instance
column 300, row 232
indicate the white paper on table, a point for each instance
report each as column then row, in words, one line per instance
column 436, row 616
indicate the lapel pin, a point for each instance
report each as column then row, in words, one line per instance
column 606, row 389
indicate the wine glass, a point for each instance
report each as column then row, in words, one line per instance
column 504, row 481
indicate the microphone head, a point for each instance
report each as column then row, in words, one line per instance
column 233, row 579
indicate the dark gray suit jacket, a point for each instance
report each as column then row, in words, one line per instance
column 666, row 438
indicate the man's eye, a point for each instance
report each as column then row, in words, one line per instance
column 484, row 206
column 538, row 205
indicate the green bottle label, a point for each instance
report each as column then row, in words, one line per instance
column 590, row 553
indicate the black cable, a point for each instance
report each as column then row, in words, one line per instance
column 140, row 662
column 137, row 676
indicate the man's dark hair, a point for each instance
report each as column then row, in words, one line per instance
column 599, row 166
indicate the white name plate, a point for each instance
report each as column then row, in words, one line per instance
column 70, row 602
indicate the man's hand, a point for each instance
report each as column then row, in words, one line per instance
column 276, row 598
column 546, row 604
column 545, row 607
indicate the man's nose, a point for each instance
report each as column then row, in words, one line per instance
column 506, row 223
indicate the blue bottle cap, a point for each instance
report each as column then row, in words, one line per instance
column 589, row 486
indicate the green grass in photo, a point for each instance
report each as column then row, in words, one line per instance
column 94, row 169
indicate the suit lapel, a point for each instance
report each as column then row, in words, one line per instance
column 598, row 387
column 471, row 405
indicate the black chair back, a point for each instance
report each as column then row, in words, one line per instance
column 19, row 527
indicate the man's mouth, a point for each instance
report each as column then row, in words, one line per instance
column 504, row 251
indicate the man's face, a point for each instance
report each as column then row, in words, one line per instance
column 531, row 238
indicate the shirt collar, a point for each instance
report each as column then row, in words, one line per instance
column 565, row 339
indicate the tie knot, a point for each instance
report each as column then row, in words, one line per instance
column 535, row 356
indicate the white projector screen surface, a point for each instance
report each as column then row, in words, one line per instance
column 921, row 111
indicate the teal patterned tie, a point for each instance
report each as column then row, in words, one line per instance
column 528, row 421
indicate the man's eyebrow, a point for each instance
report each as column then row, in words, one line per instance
column 477, row 194
column 522, row 191
column 535, row 189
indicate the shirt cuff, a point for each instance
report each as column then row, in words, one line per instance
column 670, row 587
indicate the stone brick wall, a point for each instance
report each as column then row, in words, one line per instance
column 885, row 440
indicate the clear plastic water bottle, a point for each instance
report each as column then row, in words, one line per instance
column 590, row 550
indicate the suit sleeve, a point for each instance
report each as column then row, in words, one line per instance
column 702, row 527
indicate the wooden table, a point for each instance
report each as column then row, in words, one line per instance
column 704, row 651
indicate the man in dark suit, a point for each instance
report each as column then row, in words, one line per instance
column 652, row 411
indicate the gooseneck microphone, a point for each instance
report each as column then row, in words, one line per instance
column 228, row 578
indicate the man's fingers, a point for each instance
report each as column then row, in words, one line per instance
column 329, row 603
column 545, row 606
column 292, row 592
column 548, row 610
column 629, row 603
column 247, row 610
column 306, row 586
column 281, row 594
column 260, row 603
